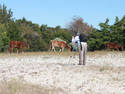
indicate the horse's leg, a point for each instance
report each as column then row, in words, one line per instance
column 22, row 50
column 11, row 50
column 17, row 50
column 50, row 49
column 54, row 49
column 122, row 48
column 117, row 49
column 62, row 49
column 108, row 48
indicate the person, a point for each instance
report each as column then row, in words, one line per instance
column 81, row 39
column 74, row 44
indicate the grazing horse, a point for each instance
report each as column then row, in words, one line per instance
column 18, row 45
column 60, row 44
column 113, row 45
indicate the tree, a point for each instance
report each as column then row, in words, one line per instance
column 13, row 31
column 77, row 25
column 5, row 15
column 118, row 31
column 23, row 22
column 96, row 40
column 3, row 38
column 43, row 28
column 105, row 28
column 116, row 20
column 35, row 41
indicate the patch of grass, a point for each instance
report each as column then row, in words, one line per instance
column 65, row 53
column 38, row 53
column 101, row 53
column 18, row 87
column 105, row 68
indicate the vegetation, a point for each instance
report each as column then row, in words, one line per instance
column 21, row 87
column 107, row 33
column 39, row 37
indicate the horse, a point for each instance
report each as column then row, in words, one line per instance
column 112, row 45
column 18, row 45
column 60, row 44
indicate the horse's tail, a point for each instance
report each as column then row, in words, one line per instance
column 106, row 45
column 121, row 47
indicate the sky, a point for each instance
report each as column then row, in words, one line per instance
column 61, row 12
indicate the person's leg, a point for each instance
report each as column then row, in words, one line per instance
column 84, row 53
column 83, row 46
column 81, row 54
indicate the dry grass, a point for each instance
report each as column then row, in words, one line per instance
column 99, row 53
column 21, row 87
column 38, row 53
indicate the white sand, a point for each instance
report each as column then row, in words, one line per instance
column 103, row 74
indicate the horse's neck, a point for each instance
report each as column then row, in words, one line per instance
column 67, row 46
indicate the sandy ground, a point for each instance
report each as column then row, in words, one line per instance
column 104, row 73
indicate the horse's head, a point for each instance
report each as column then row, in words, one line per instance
column 69, row 49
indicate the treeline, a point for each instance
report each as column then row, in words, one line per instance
column 107, row 33
column 39, row 37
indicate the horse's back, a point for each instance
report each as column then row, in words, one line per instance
column 114, row 45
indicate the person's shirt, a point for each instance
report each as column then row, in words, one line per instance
column 76, row 40
column 82, row 38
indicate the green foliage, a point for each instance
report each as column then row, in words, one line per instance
column 13, row 31
column 43, row 28
column 1, row 43
column 3, row 38
column 65, row 35
column 96, row 41
column 108, row 33
column 5, row 15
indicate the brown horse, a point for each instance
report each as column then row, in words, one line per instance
column 60, row 44
column 112, row 45
column 18, row 45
